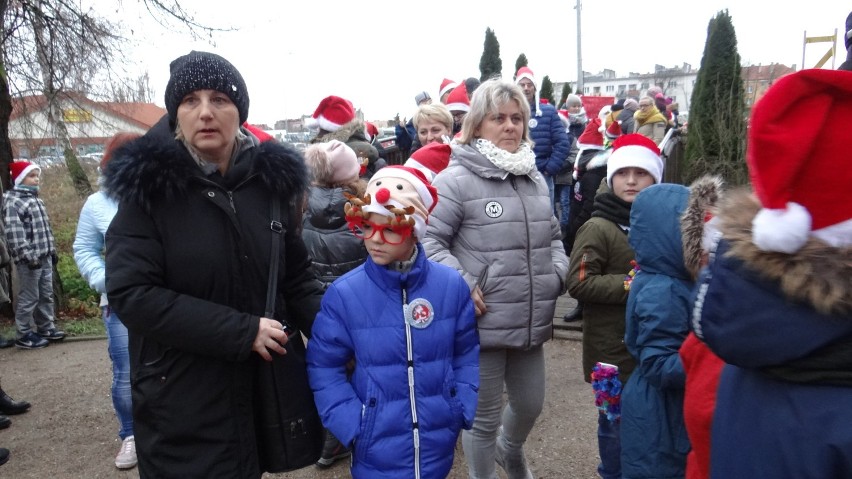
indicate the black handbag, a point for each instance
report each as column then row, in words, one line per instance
column 288, row 428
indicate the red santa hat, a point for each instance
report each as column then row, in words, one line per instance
column 20, row 170
column 446, row 86
column 371, row 130
column 798, row 161
column 400, row 187
column 430, row 159
column 458, row 100
column 333, row 112
column 525, row 72
column 614, row 130
column 634, row 150
column 591, row 139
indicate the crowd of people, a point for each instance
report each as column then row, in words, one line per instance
column 426, row 290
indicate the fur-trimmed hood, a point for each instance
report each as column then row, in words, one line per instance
column 818, row 274
column 157, row 167
column 354, row 130
column 704, row 196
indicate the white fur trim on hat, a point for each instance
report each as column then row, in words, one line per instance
column 838, row 235
column 327, row 124
column 784, row 231
column 634, row 156
column 412, row 163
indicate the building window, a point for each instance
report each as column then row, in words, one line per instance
column 632, row 87
column 672, row 84
column 645, row 85
column 750, row 89
column 610, row 88
column 597, row 91
column 585, row 90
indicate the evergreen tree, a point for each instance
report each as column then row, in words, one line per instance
column 520, row 62
column 490, row 65
column 717, row 128
column 547, row 90
column 566, row 90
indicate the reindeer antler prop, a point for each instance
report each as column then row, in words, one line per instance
column 401, row 216
column 354, row 207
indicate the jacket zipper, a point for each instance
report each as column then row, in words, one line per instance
column 529, row 265
column 411, row 399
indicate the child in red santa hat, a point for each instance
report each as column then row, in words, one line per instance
column 775, row 302
column 33, row 250
column 408, row 325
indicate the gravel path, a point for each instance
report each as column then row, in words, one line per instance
column 70, row 432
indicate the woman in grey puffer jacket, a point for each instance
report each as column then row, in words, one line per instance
column 494, row 223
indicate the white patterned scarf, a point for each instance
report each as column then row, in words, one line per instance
column 521, row 162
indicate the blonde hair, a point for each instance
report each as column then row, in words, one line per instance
column 486, row 100
column 435, row 112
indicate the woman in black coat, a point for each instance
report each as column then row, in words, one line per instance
column 187, row 263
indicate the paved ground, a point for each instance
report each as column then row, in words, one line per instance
column 70, row 430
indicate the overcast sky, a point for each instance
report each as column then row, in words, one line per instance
column 293, row 54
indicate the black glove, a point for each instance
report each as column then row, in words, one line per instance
column 34, row 265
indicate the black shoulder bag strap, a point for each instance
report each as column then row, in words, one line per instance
column 274, row 256
column 289, row 432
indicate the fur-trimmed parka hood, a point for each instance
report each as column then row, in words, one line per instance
column 818, row 274
column 157, row 167
column 353, row 130
column 704, row 197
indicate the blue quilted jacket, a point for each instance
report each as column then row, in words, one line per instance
column 552, row 143
column 415, row 382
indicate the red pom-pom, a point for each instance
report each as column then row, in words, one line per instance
column 382, row 195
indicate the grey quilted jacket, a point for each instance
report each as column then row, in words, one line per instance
column 488, row 217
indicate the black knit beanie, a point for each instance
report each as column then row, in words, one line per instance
column 205, row 71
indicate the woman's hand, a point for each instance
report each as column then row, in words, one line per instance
column 478, row 301
column 270, row 336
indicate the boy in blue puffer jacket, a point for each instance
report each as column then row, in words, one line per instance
column 407, row 324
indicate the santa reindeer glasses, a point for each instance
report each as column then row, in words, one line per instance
column 389, row 233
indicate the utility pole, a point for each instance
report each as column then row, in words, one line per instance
column 579, row 89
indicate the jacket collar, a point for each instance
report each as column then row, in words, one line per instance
column 157, row 167
column 391, row 280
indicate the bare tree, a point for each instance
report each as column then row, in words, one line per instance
column 57, row 48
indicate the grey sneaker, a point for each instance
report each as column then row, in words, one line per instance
column 512, row 460
column 126, row 457
column 31, row 340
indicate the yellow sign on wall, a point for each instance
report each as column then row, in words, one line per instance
column 76, row 115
